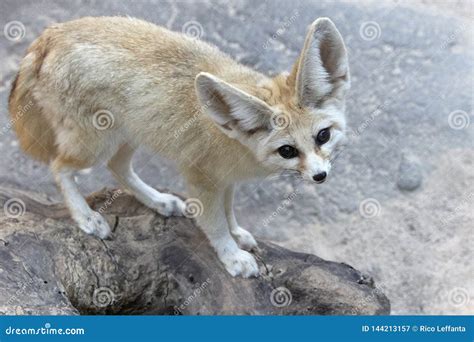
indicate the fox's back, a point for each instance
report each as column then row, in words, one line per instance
column 142, row 44
column 127, row 55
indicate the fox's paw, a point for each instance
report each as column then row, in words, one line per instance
column 94, row 224
column 169, row 205
column 239, row 263
column 244, row 239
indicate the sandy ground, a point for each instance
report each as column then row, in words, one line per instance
column 398, row 205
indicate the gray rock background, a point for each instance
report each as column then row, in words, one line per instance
column 398, row 204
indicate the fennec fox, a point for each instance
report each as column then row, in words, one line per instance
column 221, row 122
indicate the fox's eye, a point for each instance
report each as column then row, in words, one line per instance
column 323, row 136
column 288, row 152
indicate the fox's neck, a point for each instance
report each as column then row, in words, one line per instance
column 239, row 75
column 231, row 162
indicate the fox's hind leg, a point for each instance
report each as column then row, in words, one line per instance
column 121, row 167
column 88, row 220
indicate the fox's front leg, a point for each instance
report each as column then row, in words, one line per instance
column 213, row 222
column 244, row 239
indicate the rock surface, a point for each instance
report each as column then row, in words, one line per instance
column 412, row 71
column 409, row 174
column 157, row 265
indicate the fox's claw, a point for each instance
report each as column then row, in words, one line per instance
column 239, row 263
column 169, row 205
column 94, row 224
column 244, row 239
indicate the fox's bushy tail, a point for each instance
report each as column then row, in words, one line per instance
column 27, row 117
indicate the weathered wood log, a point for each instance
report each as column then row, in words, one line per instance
column 155, row 265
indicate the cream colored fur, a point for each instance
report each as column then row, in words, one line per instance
column 186, row 101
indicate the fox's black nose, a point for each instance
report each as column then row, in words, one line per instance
column 320, row 177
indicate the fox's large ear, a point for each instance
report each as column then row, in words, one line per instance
column 232, row 109
column 322, row 69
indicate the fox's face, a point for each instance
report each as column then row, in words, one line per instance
column 294, row 122
column 302, row 141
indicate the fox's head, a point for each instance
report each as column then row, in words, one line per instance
column 293, row 122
